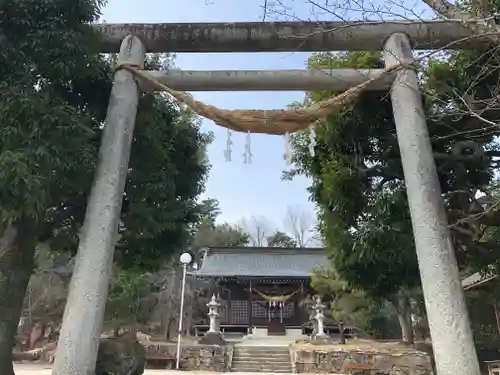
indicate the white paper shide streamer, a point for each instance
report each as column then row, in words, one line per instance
column 288, row 149
column 312, row 139
column 229, row 144
column 247, row 155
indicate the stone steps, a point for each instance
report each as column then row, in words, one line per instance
column 258, row 368
column 261, row 359
column 272, row 359
column 259, row 351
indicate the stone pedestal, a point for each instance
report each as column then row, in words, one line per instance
column 322, row 340
column 213, row 338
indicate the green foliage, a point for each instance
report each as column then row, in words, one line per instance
column 379, row 323
column 53, row 98
column 353, row 306
column 326, row 282
column 280, row 239
column 381, row 241
column 223, row 235
column 346, row 304
column 126, row 291
column 358, row 181
column 208, row 233
column 165, row 179
column 47, row 60
column 482, row 314
column 210, row 210
column 54, row 92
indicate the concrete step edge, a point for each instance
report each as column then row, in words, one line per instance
column 260, row 369
column 260, row 356
column 263, row 349
column 256, row 347
column 260, row 350
column 263, row 355
column 251, row 359
column 276, row 364
column 267, row 365
column 263, row 365
column 273, row 360
column 266, row 354
column 243, row 368
column 277, row 372
column 260, row 353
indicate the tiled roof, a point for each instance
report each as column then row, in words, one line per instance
column 261, row 262
column 477, row 279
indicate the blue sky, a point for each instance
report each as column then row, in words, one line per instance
column 242, row 190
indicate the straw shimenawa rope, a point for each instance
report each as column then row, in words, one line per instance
column 275, row 121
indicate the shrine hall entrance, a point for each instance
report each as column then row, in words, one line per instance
column 262, row 288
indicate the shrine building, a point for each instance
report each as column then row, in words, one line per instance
column 261, row 287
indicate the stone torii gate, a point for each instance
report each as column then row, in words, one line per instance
column 447, row 313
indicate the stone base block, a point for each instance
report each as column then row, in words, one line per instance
column 212, row 338
column 359, row 358
column 322, row 340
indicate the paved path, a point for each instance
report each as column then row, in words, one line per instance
column 40, row 369
column 32, row 369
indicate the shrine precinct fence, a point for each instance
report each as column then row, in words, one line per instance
column 447, row 313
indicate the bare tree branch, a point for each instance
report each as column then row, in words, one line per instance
column 301, row 225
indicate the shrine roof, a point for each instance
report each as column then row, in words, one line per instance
column 261, row 262
column 478, row 279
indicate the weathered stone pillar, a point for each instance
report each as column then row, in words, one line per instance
column 450, row 329
column 84, row 313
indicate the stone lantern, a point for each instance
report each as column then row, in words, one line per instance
column 320, row 337
column 213, row 315
column 213, row 335
column 319, row 307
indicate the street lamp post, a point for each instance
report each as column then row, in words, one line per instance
column 185, row 259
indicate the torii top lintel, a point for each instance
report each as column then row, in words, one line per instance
column 288, row 36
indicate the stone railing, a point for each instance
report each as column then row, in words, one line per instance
column 337, row 359
column 195, row 357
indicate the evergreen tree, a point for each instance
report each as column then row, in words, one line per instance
column 54, row 91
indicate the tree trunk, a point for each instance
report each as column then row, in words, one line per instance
column 496, row 306
column 187, row 323
column 404, row 317
column 166, row 328
column 341, row 331
column 172, row 330
column 17, row 251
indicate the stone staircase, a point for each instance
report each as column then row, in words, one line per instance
column 261, row 359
